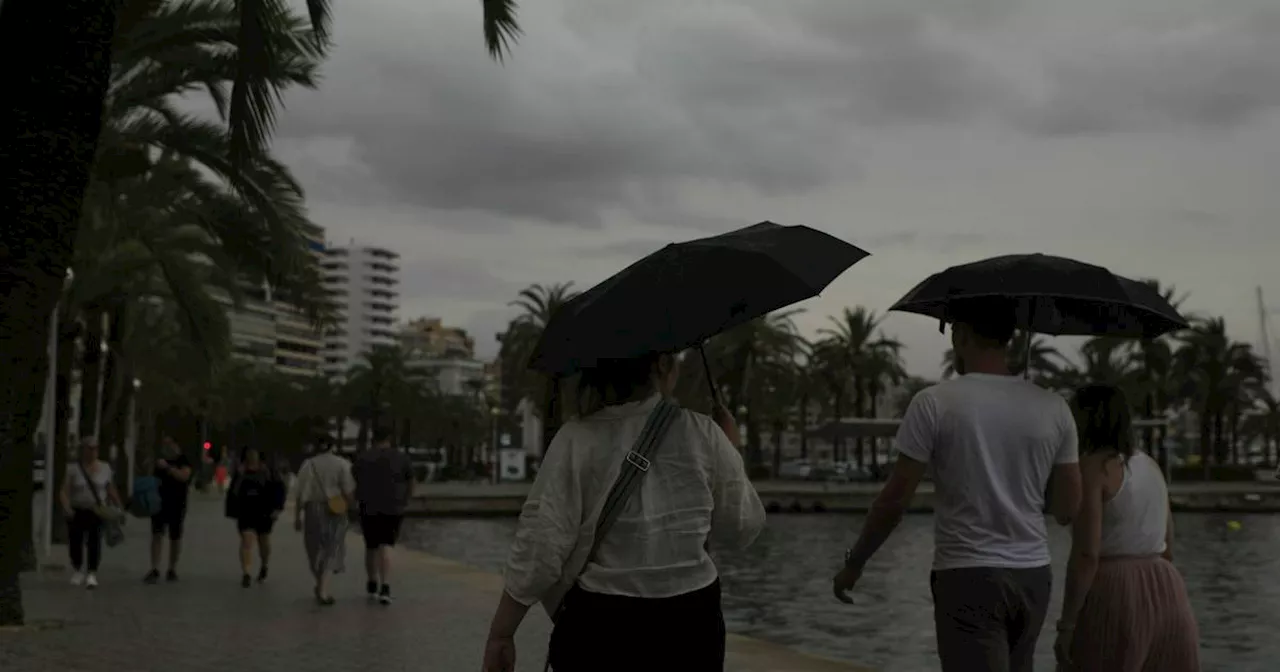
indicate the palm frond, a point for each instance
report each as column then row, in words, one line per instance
column 501, row 29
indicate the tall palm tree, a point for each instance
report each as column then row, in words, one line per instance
column 1214, row 370
column 56, row 103
column 748, row 360
column 1153, row 380
column 538, row 304
column 856, row 347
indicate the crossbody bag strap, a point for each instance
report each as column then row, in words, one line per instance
column 635, row 465
column 93, row 489
column 315, row 473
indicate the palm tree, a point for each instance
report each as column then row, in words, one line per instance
column 749, row 359
column 857, row 349
column 1214, row 370
column 377, row 386
column 1152, row 375
column 56, row 103
column 538, row 305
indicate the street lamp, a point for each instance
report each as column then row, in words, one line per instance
column 494, row 412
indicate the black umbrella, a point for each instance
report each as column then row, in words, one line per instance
column 687, row 292
column 1051, row 295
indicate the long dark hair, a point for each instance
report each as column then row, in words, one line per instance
column 1103, row 421
column 615, row 381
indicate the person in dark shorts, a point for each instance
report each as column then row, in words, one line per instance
column 996, row 444
column 255, row 498
column 384, row 484
column 174, row 472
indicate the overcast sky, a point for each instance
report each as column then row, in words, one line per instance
column 1143, row 136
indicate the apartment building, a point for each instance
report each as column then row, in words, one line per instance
column 362, row 281
column 299, row 343
column 444, row 354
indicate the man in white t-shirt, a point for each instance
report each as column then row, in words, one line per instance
column 996, row 442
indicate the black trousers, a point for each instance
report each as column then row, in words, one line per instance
column 84, row 530
column 597, row 632
column 989, row 618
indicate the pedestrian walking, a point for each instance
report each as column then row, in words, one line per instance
column 325, row 490
column 88, row 494
column 384, row 485
column 173, row 470
column 995, row 442
column 1125, row 608
column 644, row 575
column 255, row 499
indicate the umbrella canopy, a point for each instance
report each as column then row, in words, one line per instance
column 687, row 292
column 1052, row 295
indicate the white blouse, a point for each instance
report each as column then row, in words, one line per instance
column 696, row 488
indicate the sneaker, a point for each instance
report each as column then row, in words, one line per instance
column 91, row 581
column 151, row 578
column 371, row 589
column 77, row 579
column 171, row 576
column 384, row 595
column 262, row 574
column 246, row 581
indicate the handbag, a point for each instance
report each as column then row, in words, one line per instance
column 337, row 504
column 112, row 531
column 635, row 465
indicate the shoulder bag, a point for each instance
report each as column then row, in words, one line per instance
column 112, row 532
column 634, row 466
column 337, row 504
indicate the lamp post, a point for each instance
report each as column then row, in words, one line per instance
column 494, row 412
column 131, row 440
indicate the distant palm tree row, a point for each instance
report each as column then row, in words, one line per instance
column 780, row 381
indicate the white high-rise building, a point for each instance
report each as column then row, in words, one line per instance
column 362, row 281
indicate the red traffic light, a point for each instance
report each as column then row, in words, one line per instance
column 207, row 445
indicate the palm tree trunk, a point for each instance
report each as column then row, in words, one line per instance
column 54, row 118
column 859, row 400
column 804, row 426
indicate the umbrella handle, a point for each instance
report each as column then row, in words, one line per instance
column 706, row 370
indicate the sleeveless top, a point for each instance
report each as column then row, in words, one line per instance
column 1135, row 519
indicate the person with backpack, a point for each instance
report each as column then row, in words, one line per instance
column 173, row 471
column 255, row 498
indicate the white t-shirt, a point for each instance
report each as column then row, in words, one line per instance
column 991, row 442
column 78, row 488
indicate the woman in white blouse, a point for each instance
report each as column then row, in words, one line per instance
column 649, row 599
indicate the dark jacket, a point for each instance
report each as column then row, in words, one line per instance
column 255, row 494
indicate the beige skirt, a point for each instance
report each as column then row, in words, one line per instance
column 1137, row 618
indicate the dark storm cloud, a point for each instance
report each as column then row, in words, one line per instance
column 608, row 106
column 454, row 279
column 1214, row 75
column 708, row 97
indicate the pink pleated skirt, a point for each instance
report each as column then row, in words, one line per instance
column 1137, row 618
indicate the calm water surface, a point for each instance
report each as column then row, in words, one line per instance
column 779, row 589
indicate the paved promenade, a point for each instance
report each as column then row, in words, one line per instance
column 207, row 622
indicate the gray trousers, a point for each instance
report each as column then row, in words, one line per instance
column 988, row 618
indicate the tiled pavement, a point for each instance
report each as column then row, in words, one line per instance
column 207, row 622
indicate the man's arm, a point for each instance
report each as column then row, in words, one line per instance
column 915, row 442
column 888, row 509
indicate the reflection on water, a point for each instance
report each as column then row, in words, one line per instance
column 780, row 589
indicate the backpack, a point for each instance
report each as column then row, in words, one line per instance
column 145, row 501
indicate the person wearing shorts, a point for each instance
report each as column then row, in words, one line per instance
column 174, row 473
column 384, row 485
column 255, row 499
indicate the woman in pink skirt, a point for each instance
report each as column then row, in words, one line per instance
column 1126, row 607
